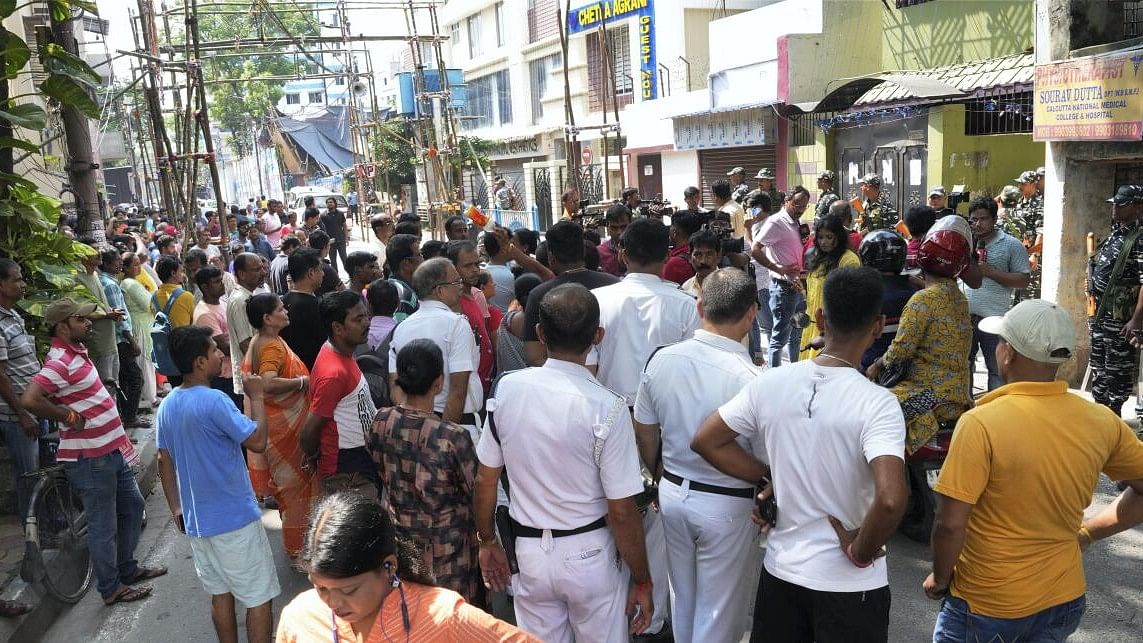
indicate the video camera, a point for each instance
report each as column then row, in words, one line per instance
column 657, row 207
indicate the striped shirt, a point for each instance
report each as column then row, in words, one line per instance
column 18, row 355
column 69, row 377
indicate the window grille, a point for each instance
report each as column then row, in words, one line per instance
column 999, row 114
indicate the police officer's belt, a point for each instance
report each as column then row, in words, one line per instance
column 520, row 531
column 737, row 492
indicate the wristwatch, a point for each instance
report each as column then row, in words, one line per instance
column 481, row 541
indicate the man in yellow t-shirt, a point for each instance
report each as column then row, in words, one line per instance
column 1022, row 467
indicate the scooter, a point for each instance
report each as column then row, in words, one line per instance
column 923, row 467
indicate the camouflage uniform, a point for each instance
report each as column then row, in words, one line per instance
column 739, row 194
column 1113, row 359
column 827, row 197
column 1028, row 220
column 878, row 215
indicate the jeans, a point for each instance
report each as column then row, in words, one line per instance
column 956, row 624
column 130, row 383
column 986, row 342
column 25, row 454
column 784, row 301
column 114, row 509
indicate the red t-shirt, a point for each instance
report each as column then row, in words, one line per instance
column 471, row 309
column 339, row 392
column 678, row 266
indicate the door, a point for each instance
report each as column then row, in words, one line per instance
column 902, row 170
column 886, row 162
column 650, row 176
column 850, row 171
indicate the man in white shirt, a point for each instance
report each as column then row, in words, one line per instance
column 720, row 190
column 640, row 314
column 439, row 287
column 834, row 445
column 712, row 546
column 573, row 473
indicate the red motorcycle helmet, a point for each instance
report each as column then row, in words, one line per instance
column 944, row 253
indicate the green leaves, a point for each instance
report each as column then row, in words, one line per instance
column 16, row 54
column 69, row 92
column 18, row 143
column 27, row 115
column 58, row 60
column 7, row 8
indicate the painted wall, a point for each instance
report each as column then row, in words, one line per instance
column 933, row 34
column 680, row 170
column 842, row 45
column 982, row 163
column 806, row 162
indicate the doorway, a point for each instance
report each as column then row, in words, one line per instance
column 650, row 176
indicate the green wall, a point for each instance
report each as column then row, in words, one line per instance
column 981, row 163
column 948, row 32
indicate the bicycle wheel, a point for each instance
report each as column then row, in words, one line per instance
column 62, row 527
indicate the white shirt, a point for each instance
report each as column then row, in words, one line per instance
column 638, row 315
column 674, row 397
column 452, row 333
column 239, row 329
column 761, row 273
column 566, row 457
column 818, row 428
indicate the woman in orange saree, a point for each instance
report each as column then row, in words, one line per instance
column 286, row 410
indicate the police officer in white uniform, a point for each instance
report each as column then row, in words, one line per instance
column 438, row 285
column 712, row 545
column 573, row 473
column 640, row 314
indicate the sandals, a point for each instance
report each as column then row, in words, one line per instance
column 145, row 573
column 128, row 595
column 12, row 609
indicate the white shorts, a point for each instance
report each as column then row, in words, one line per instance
column 237, row 562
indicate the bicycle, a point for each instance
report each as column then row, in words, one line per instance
column 55, row 535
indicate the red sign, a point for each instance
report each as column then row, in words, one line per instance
column 585, row 156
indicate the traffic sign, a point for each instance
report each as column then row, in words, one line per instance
column 585, row 156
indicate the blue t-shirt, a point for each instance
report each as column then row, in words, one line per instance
column 203, row 432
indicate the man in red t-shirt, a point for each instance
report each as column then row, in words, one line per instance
column 463, row 256
column 678, row 265
column 341, row 408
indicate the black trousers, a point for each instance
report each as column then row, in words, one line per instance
column 338, row 250
column 130, row 383
column 788, row 613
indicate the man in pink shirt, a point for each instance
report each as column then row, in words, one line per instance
column 464, row 258
column 778, row 247
column 211, row 312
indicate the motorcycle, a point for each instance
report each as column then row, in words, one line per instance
column 923, row 466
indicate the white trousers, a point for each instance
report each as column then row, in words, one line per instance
column 712, row 549
column 572, row 588
column 661, row 590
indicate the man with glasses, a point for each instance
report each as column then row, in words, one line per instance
column 1004, row 266
column 618, row 217
column 439, row 287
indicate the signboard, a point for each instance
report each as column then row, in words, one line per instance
column 721, row 129
column 585, row 156
column 1098, row 98
column 366, row 170
column 592, row 15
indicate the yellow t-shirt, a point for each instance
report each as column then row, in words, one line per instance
column 182, row 313
column 1028, row 458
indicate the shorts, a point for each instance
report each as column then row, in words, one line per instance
column 237, row 562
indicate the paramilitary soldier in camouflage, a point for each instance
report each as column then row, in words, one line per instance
column 766, row 180
column 1115, row 274
column 1029, row 219
column 1006, row 201
column 877, row 213
column 826, row 194
column 738, row 187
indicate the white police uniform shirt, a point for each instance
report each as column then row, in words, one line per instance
column 638, row 315
column 567, row 443
column 453, row 334
column 682, row 385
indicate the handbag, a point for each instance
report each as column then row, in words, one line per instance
column 894, row 373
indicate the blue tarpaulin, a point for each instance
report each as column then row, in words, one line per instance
column 324, row 138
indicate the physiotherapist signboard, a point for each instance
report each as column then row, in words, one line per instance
column 1097, row 98
column 593, row 15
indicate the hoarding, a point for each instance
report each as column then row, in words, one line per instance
column 592, row 15
column 1097, row 98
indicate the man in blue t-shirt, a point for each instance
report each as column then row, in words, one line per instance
column 200, row 438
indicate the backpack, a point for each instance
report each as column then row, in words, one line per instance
column 161, row 335
column 374, row 365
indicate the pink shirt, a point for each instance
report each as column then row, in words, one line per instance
column 782, row 241
column 214, row 318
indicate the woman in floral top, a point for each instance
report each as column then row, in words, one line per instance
column 427, row 467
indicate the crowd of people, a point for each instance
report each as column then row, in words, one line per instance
column 589, row 437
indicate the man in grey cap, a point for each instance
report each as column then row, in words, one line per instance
column 826, row 194
column 1029, row 220
column 1114, row 290
column 938, row 200
column 738, row 187
column 1008, row 516
column 766, row 180
column 876, row 212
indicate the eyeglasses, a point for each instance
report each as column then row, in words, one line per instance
column 458, row 283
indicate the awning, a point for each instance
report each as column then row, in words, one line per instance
column 850, row 93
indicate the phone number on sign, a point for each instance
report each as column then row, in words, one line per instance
column 1121, row 131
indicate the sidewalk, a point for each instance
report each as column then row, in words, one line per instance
column 44, row 608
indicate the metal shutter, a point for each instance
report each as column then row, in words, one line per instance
column 714, row 164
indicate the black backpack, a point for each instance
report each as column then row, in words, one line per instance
column 374, row 365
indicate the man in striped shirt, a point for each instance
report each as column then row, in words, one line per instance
column 95, row 450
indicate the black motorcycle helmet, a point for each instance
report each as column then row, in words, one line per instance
column 884, row 251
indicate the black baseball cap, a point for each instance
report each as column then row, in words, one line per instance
column 1127, row 194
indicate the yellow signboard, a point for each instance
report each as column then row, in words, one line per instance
column 1098, row 98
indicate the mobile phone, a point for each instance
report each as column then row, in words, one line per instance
column 768, row 508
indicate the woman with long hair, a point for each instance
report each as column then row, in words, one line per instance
column 286, row 410
column 428, row 467
column 369, row 587
column 138, row 301
column 830, row 251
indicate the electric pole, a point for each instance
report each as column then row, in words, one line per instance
column 81, row 165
